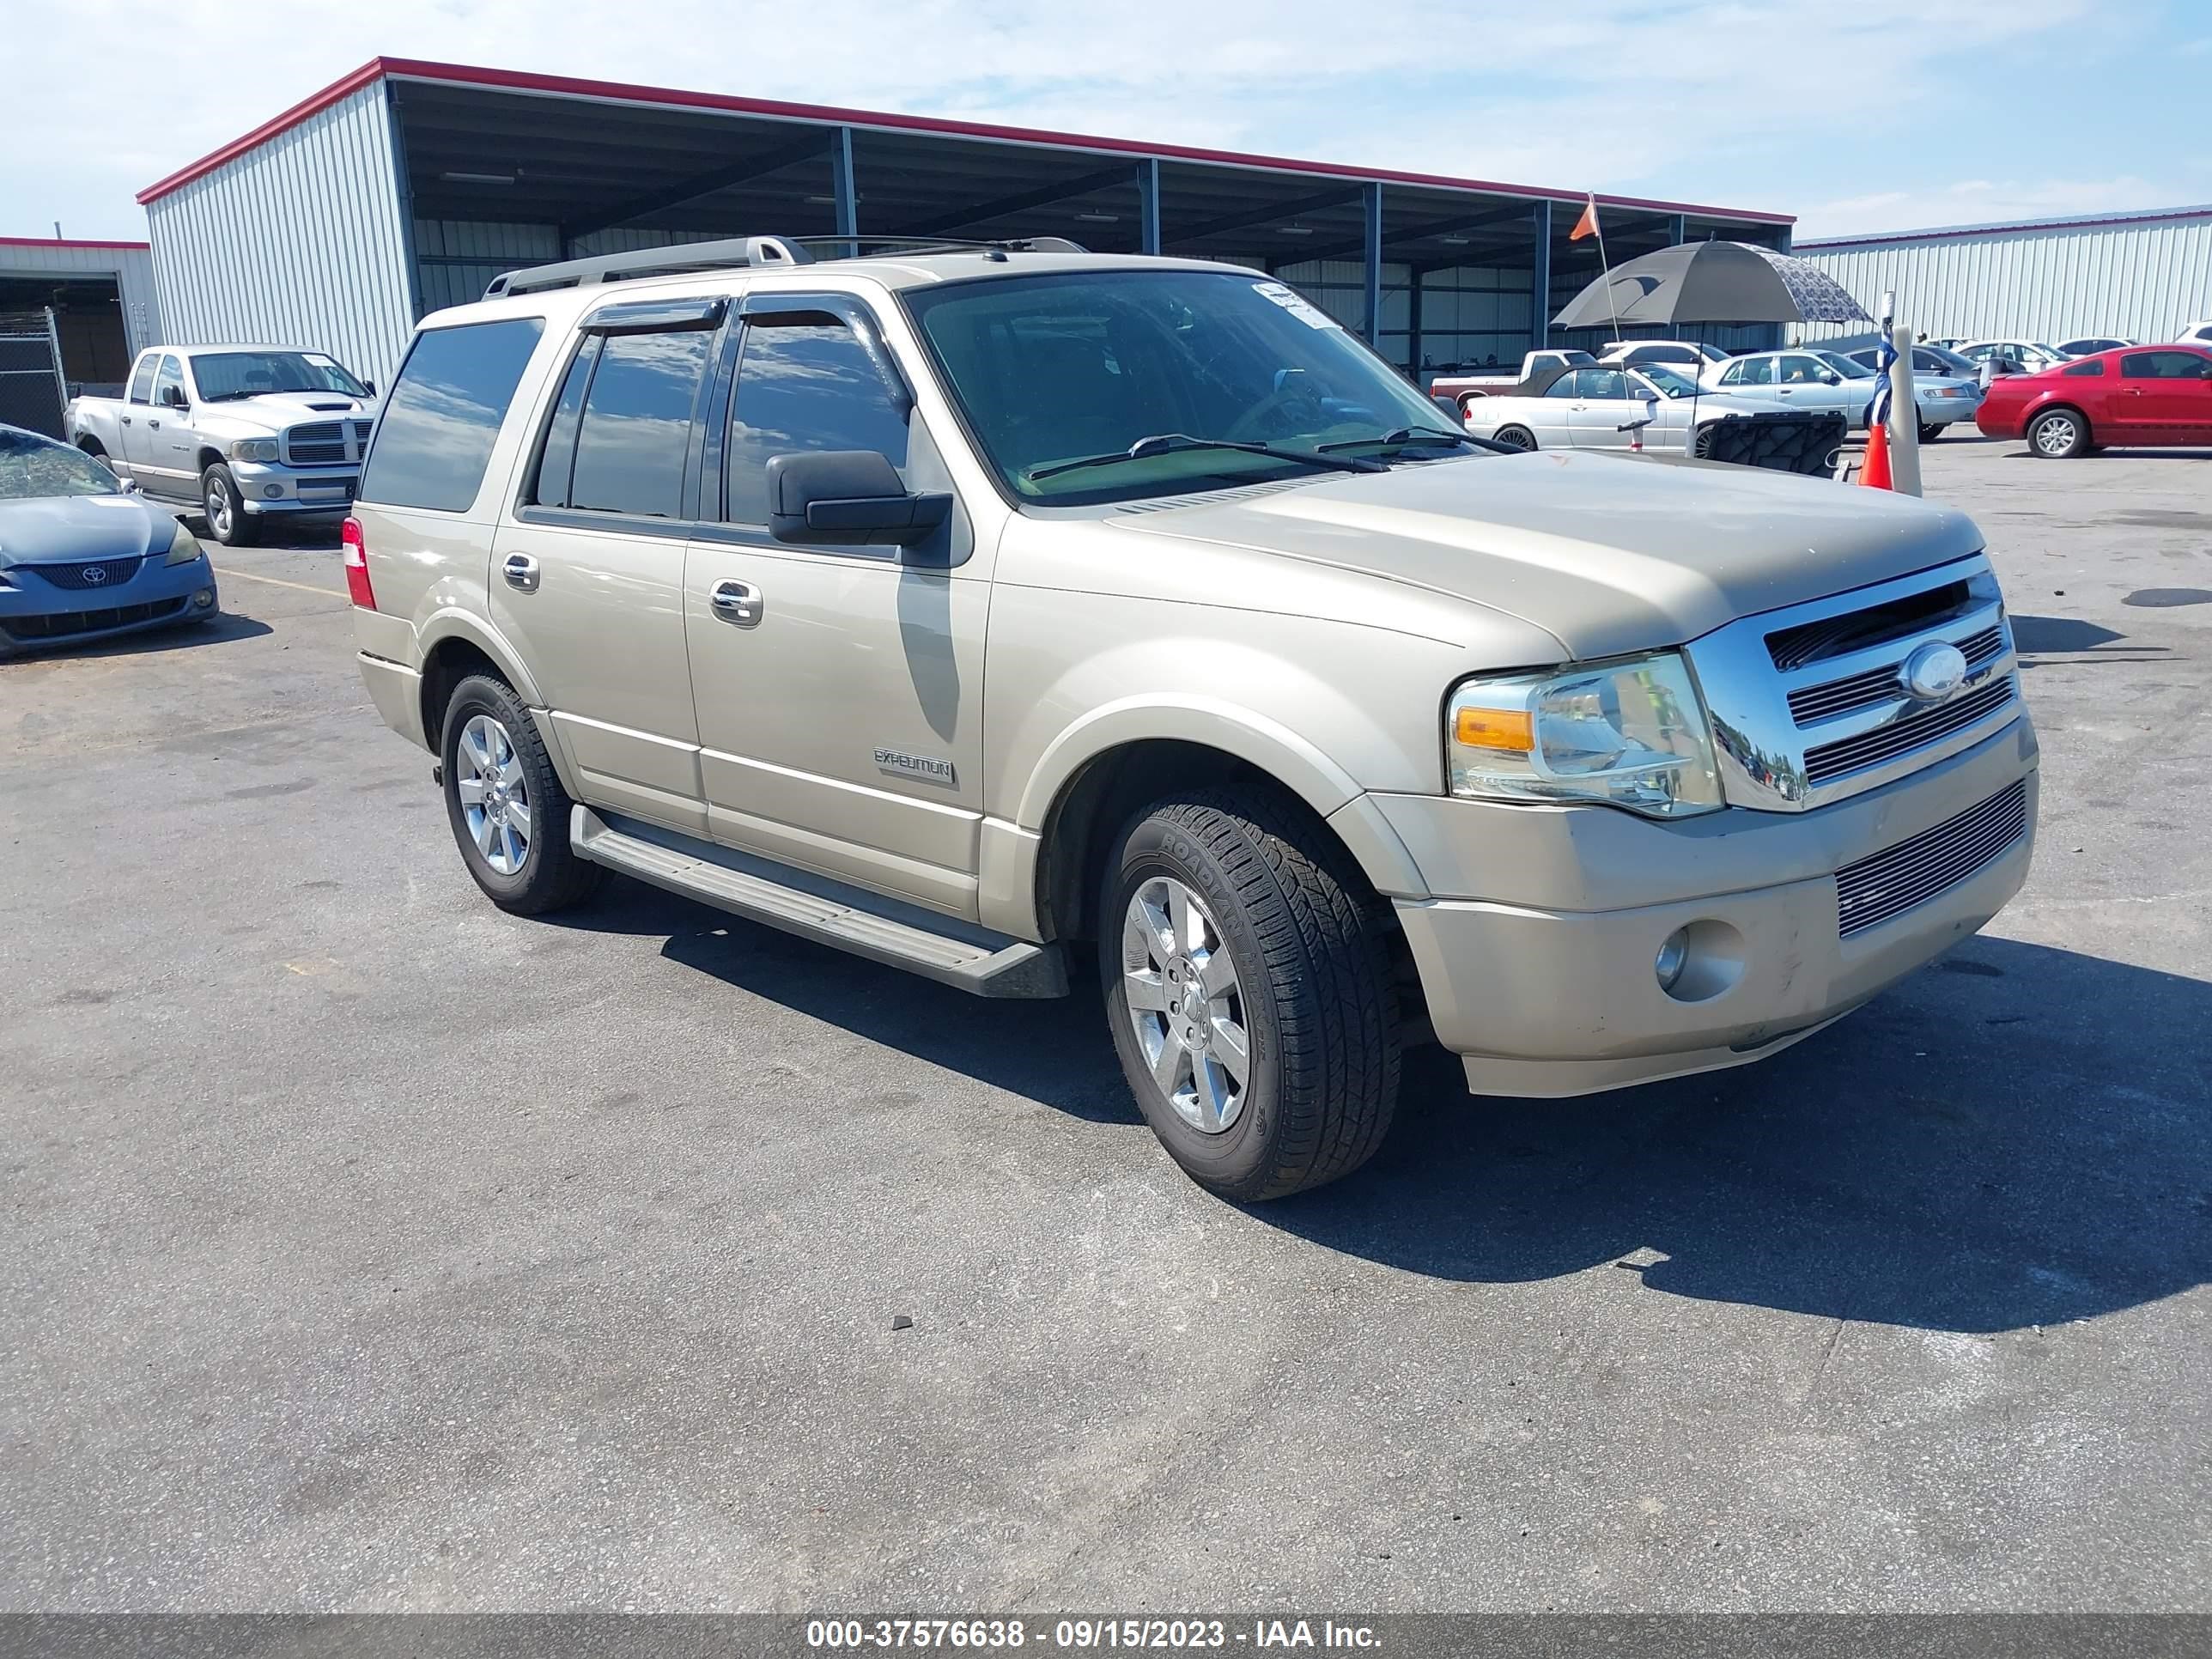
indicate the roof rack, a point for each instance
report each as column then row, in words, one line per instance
column 738, row 251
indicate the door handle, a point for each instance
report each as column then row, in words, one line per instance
column 522, row 572
column 737, row 602
column 156, row 425
column 126, row 419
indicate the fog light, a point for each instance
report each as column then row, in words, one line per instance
column 1673, row 957
column 204, row 598
column 271, row 492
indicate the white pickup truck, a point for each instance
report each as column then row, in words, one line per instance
column 1538, row 370
column 243, row 433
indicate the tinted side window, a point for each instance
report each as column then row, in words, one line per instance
column 142, row 381
column 635, row 433
column 1567, row 385
column 557, row 461
column 1760, row 371
column 805, row 382
column 1604, row 383
column 2094, row 366
column 2162, row 366
column 444, row 414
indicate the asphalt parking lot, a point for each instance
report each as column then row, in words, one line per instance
column 367, row 1249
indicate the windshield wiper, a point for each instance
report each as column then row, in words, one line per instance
column 1405, row 435
column 1169, row 443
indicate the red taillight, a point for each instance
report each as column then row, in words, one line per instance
column 356, row 566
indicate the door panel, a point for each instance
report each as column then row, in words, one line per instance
column 839, row 704
column 841, row 730
column 602, row 634
column 2161, row 397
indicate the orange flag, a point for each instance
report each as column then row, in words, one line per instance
column 1587, row 225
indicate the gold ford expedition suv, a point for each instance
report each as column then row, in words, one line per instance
column 972, row 609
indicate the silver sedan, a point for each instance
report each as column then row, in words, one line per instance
column 1602, row 407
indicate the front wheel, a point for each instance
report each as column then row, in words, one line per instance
column 1930, row 431
column 505, row 802
column 227, row 520
column 1249, row 991
column 2058, row 434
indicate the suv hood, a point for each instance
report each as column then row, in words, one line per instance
column 1609, row 553
column 274, row 411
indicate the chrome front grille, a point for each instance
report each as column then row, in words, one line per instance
column 1922, row 726
column 326, row 443
column 1809, row 704
column 1824, row 702
column 1887, row 883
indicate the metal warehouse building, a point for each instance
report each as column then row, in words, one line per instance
column 408, row 185
column 2142, row 276
column 101, row 294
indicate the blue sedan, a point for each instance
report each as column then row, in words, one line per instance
column 83, row 557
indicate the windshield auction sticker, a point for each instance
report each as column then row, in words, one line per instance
column 1297, row 304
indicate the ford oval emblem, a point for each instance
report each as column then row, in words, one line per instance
column 1935, row 672
column 95, row 574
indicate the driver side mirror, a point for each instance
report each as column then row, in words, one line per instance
column 172, row 396
column 1831, row 379
column 369, row 386
column 836, row 498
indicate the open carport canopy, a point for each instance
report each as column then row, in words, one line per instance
column 477, row 153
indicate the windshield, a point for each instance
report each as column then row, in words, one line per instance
column 1060, row 368
column 1845, row 366
column 1672, row 383
column 228, row 375
column 31, row 467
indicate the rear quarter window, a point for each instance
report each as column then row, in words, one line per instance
column 444, row 413
column 2092, row 365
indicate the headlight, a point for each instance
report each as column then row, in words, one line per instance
column 1630, row 733
column 253, row 449
column 183, row 549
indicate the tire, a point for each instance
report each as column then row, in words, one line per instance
column 2058, row 434
column 1519, row 436
column 1701, row 442
column 490, row 747
column 1310, row 994
column 1930, row 433
column 221, row 504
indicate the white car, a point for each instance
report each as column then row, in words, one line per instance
column 1597, row 407
column 2012, row 356
column 2090, row 344
column 1690, row 357
column 2198, row 333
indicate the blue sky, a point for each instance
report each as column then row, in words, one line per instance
column 1854, row 114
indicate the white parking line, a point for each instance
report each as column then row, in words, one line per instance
column 274, row 581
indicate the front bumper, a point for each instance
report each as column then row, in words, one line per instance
column 36, row 614
column 1543, row 978
column 266, row 488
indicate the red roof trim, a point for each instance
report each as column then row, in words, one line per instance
column 626, row 92
column 58, row 242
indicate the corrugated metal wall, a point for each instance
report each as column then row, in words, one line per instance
column 2144, row 281
column 299, row 241
column 131, row 267
column 457, row 259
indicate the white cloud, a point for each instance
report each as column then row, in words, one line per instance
column 1981, row 201
column 1692, row 100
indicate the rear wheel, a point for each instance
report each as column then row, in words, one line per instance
column 2058, row 434
column 227, row 520
column 1517, row 436
column 1930, row 431
column 508, row 811
column 1249, row 988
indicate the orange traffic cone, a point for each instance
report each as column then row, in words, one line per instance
column 1874, row 472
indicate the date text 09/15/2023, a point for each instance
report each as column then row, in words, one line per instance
column 1107, row 1634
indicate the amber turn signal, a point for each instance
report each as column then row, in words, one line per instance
column 1511, row 730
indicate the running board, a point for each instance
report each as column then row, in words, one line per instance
column 1012, row 968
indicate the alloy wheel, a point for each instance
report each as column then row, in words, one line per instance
column 494, row 795
column 1185, row 1004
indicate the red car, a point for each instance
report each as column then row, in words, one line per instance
column 2138, row 395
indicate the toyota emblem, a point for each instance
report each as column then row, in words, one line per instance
column 1935, row 672
column 95, row 574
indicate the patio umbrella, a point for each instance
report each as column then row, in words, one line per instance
column 1711, row 282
